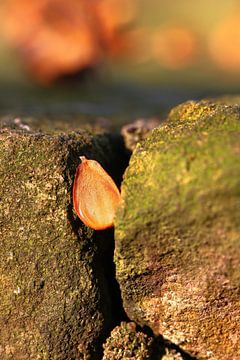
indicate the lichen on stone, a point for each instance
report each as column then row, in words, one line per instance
column 178, row 231
column 125, row 342
column 55, row 301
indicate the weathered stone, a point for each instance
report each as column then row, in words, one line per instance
column 55, row 303
column 178, row 233
column 137, row 131
column 126, row 342
column 51, row 124
column 171, row 354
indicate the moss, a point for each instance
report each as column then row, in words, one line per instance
column 55, row 303
column 178, row 231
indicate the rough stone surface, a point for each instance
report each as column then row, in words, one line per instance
column 171, row 354
column 178, row 233
column 137, row 131
column 126, row 342
column 55, row 302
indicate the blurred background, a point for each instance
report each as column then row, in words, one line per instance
column 119, row 59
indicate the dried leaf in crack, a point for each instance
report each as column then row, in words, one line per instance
column 95, row 195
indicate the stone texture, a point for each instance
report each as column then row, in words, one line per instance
column 178, row 232
column 126, row 342
column 171, row 354
column 137, row 131
column 55, row 301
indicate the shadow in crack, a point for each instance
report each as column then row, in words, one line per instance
column 104, row 259
column 96, row 248
column 163, row 347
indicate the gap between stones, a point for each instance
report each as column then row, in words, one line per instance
column 105, row 244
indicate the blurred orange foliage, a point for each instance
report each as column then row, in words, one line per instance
column 224, row 43
column 59, row 37
column 174, row 46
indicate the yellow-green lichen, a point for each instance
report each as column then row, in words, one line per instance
column 179, row 224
